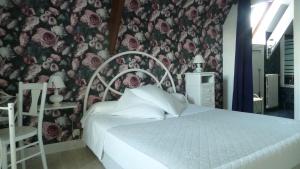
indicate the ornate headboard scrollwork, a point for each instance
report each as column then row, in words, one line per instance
column 108, row 85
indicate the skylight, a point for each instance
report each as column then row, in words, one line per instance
column 257, row 12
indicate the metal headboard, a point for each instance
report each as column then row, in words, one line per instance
column 108, row 87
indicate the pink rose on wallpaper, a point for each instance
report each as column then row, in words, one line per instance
column 69, row 29
column 212, row 32
column 91, row 19
column 120, row 61
column 80, row 4
column 3, row 83
column 166, row 61
column 31, row 22
column 213, row 63
column 55, row 57
column 27, row 11
column 132, row 81
column 24, row 38
column 29, row 60
column 191, row 13
column 221, row 3
column 33, row 71
column 130, row 42
column 189, row 46
column 92, row 61
column 92, row 99
column 132, row 5
column 45, row 38
column 74, row 19
column 162, row 26
column 117, row 84
column 51, row 130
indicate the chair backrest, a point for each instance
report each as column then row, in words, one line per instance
column 36, row 92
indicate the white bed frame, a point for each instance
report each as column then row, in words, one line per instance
column 108, row 87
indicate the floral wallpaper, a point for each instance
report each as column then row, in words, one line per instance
column 69, row 39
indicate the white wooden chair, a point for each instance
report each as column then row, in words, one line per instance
column 11, row 117
column 38, row 96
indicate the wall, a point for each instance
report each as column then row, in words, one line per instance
column 229, row 40
column 297, row 59
column 258, row 57
column 69, row 38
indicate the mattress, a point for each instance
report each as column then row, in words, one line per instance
column 207, row 139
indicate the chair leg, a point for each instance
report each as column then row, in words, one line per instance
column 22, row 153
column 4, row 156
column 43, row 156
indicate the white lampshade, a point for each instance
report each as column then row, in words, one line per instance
column 198, row 59
column 56, row 82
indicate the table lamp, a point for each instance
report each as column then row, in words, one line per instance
column 198, row 60
column 55, row 82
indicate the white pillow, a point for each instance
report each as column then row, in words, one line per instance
column 144, row 111
column 132, row 106
column 160, row 98
column 99, row 107
column 180, row 97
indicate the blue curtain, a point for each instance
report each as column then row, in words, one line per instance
column 243, row 80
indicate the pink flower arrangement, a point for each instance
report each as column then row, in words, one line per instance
column 51, row 130
column 130, row 42
column 92, row 61
column 91, row 19
column 45, row 38
column 132, row 81
column 132, row 5
column 162, row 26
column 189, row 46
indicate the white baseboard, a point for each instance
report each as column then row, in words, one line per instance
column 59, row 147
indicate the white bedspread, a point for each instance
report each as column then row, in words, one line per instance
column 97, row 124
column 214, row 139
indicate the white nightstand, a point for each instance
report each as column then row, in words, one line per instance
column 200, row 88
column 62, row 105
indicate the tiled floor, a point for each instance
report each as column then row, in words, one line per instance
column 74, row 159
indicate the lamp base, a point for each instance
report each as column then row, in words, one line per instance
column 56, row 99
column 198, row 68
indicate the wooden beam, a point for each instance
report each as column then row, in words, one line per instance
column 114, row 24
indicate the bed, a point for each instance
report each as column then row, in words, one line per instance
column 199, row 138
